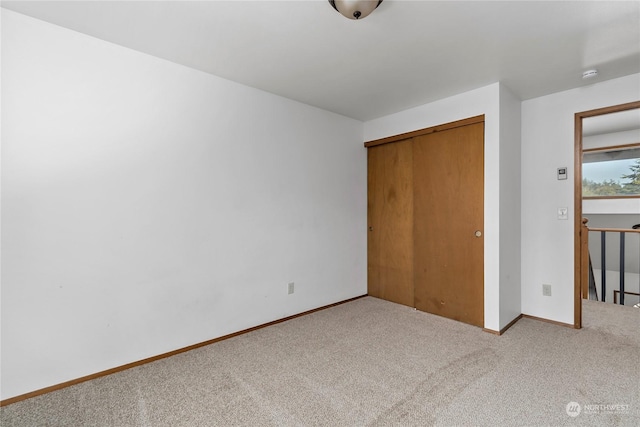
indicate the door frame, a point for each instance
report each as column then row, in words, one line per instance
column 425, row 131
column 580, row 276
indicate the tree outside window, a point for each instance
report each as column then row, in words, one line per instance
column 613, row 173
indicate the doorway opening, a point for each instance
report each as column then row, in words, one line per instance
column 607, row 206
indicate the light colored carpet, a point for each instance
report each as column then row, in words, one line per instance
column 372, row 363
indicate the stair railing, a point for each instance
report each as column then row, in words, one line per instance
column 591, row 292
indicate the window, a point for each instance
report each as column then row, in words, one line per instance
column 611, row 172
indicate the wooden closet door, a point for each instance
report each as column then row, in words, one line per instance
column 448, row 173
column 390, row 222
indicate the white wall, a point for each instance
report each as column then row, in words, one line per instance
column 548, row 143
column 485, row 101
column 510, row 213
column 147, row 206
column 611, row 139
column 611, row 206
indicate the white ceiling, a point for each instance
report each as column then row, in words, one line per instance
column 406, row 53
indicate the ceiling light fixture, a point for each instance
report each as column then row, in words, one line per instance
column 355, row 9
column 589, row 74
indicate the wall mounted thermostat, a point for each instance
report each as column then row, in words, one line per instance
column 562, row 173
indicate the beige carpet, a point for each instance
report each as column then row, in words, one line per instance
column 373, row 363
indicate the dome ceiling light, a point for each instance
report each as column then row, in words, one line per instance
column 355, row 9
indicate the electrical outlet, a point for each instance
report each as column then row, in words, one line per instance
column 546, row 290
column 291, row 287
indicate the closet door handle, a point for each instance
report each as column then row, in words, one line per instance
column 478, row 233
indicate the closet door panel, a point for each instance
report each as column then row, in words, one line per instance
column 390, row 222
column 448, row 172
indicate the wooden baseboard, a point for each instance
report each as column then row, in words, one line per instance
column 528, row 316
column 162, row 356
column 553, row 322
column 503, row 330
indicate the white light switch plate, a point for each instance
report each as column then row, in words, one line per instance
column 563, row 213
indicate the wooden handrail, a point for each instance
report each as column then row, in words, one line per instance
column 617, row 292
column 616, row 230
